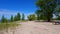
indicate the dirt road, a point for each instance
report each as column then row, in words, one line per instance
column 32, row 27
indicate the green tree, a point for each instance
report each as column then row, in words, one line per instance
column 18, row 16
column 11, row 19
column 31, row 17
column 58, row 14
column 15, row 18
column 48, row 7
column 3, row 19
column 38, row 13
column 58, row 18
column 23, row 17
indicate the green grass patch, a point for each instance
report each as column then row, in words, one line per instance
column 23, row 21
column 8, row 25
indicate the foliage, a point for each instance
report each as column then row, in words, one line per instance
column 18, row 16
column 15, row 18
column 57, row 13
column 48, row 7
column 31, row 17
column 3, row 19
column 8, row 25
column 11, row 19
column 58, row 18
column 39, row 14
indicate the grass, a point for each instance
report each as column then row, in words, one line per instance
column 8, row 25
column 23, row 20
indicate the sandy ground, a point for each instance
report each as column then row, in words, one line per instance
column 32, row 27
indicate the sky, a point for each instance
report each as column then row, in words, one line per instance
column 12, row 7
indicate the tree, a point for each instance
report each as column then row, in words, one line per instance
column 3, row 19
column 23, row 17
column 15, row 18
column 11, row 19
column 58, row 18
column 58, row 14
column 48, row 7
column 18, row 16
column 38, row 13
column 31, row 17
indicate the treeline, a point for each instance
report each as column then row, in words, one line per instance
column 39, row 16
column 17, row 17
column 46, row 9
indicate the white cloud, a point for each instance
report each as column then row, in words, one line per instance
column 8, row 12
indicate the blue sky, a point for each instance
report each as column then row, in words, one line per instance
column 11, row 7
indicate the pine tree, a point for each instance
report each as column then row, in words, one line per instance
column 18, row 16
column 15, row 18
column 3, row 19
